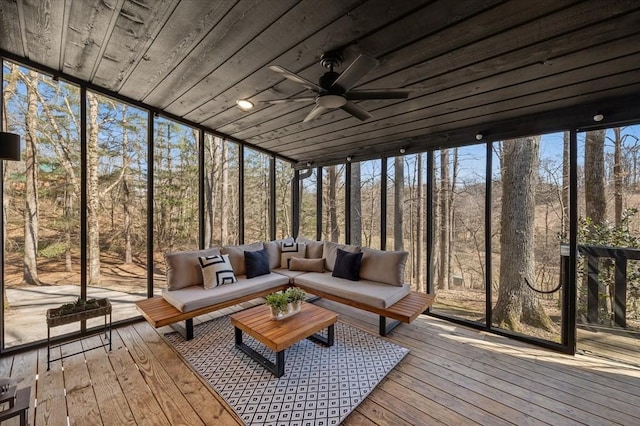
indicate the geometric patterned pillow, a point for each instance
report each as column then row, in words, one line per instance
column 289, row 250
column 216, row 270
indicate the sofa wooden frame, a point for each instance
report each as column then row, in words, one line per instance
column 159, row 313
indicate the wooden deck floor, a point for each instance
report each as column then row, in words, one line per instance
column 452, row 375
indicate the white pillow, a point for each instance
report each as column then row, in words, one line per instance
column 289, row 250
column 216, row 270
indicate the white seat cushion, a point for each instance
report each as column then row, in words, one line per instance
column 370, row 293
column 195, row 297
column 287, row 273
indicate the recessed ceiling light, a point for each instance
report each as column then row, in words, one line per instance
column 479, row 136
column 598, row 117
column 244, row 104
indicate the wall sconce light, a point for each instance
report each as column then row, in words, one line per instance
column 402, row 150
column 479, row 136
column 598, row 117
column 349, row 158
column 9, row 146
column 309, row 163
column 244, row 104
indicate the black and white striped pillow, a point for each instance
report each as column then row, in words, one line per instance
column 216, row 270
column 289, row 250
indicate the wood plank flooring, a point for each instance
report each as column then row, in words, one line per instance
column 453, row 375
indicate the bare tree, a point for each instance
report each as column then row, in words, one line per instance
column 445, row 222
column 93, row 193
column 356, row 204
column 564, row 222
column 126, row 196
column 224, row 200
column 398, row 204
column 618, row 175
column 517, row 303
column 595, row 200
column 31, row 211
column 419, row 229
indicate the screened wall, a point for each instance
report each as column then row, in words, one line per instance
column 105, row 188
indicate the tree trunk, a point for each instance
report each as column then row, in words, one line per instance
column 618, row 176
column 398, row 204
column 31, row 192
column 333, row 228
column 564, row 225
column 419, row 221
column 93, row 194
column 126, row 196
column 594, row 176
column 68, row 213
column 443, row 278
column 594, row 193
column 224, row 199
column 452, row 212
column 517, row 303
column 8, row 92
column 356, row 204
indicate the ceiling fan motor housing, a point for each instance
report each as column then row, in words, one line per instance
column 327, row 79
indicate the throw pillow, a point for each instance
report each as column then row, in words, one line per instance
column 289, row 250
column 383, row 266
column 256, row 263
column 216, row 270
column 314, row 248
column 329, row 252
column 236, row 255
column 347, row 265
column 306, row 265
column 183, row 269
column 273, row 247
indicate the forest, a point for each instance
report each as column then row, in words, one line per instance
column 133, row 189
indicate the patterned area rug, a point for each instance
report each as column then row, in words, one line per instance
column 321, row 385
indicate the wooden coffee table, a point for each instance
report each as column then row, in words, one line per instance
column 281, row 334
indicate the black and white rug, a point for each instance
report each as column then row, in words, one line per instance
column 321, row 385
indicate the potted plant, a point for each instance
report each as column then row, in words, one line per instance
column 296, row 296
column 278, row 302
column 78, row 310
column 286, row 303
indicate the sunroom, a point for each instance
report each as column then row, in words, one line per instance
column 496, row 142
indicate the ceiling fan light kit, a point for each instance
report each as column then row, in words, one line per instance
column 334, row 89
column 330, row 101
column 244, row 104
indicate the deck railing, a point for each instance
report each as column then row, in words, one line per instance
column 620, row 257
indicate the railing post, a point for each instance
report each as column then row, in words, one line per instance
column 620, row 291
column 592, row 288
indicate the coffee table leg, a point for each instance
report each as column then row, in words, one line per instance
column 326, row 341
column 238, row 336
column 279, row 364
column 276, row 369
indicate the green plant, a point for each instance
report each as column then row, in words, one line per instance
column 295, row 294
column 79, row 305
column 277, row 301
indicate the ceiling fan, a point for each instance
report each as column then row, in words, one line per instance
column 334, row 89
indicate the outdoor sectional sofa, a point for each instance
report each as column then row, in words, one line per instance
column 374, row 280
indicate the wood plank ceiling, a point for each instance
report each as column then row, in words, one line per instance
column 490, row 66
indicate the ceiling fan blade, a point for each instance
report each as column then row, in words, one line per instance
column 315, row 112
column 357, row 95
column 296, row 78
column 282, row 101
column 356, row 111
column 358, row 68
